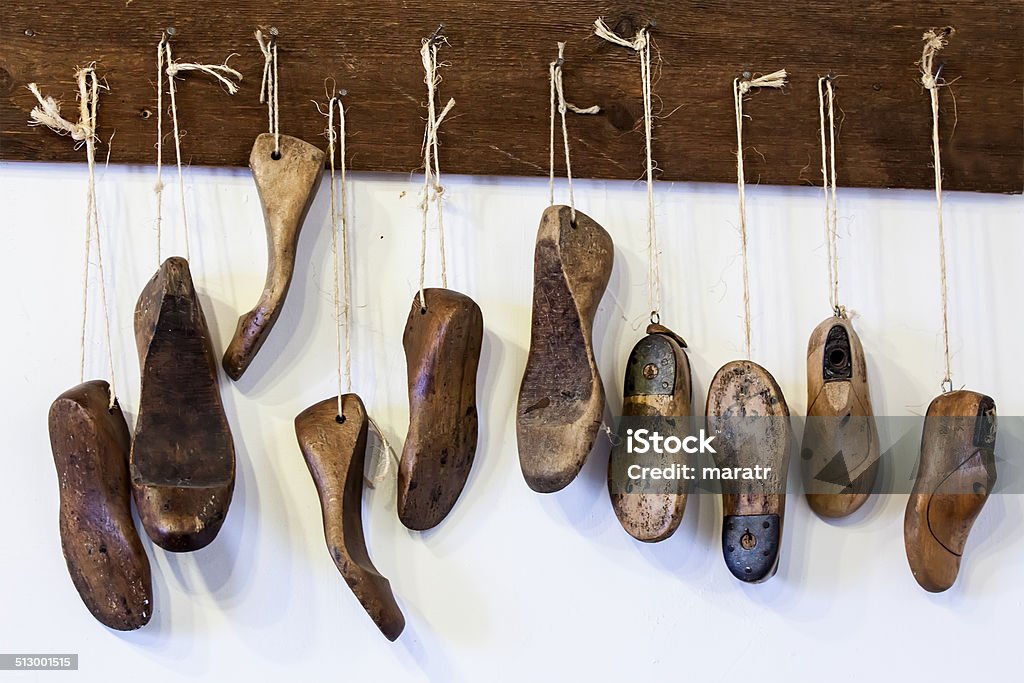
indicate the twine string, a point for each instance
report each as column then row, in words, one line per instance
column 269, row 87
column 641, row 44
column 933, row 42
column 828, row 185
column 386, row 458
column 432, row 188
column 342, row 307
column 559, row 104
column 222, row 73
column 83, row 132
column 158, row 189
column 741, row 87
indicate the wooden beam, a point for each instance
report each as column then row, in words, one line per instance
column 499, row 53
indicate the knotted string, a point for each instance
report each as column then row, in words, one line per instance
column 269, row 87
column 933, row 42
column 741, row 87
column 221, row 72
column 641, row 44
column 47, row 113
column 432, row 188
column 828, row 186
column 558, row 103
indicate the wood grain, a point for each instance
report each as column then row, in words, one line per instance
column 499, row 54
column 335, row 452
column 749, row 417
column 105, row 557
column 955, row 477
column 561, row 396
column 183, row 456
column 659, row 391
column 839, row 453
column 286, row 185
column 442, row 351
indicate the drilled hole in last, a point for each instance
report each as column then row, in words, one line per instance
column 837, row 358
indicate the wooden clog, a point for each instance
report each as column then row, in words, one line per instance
column 840, row 444
column 442, row 349
column 335, row 451
column 748, row 416
column 105, row 557
column 286, row 185
column 955, row 477
column 182, row 457
column 658, row 391
column 561, row 398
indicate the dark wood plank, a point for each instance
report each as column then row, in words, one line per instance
column 498, row 75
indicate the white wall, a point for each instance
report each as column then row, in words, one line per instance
column 514, row 585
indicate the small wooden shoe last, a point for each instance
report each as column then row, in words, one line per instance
column 955, row 477
column 286, row 187
column 839, row 454
column 335, row 452
column 105, row 557
column 748, row 415
column 442, row 349
column 561, row 398
column 182, row 458
column 657, row 386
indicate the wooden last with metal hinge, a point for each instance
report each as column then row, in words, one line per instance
column 748, row 416
column 657, row 396
column 840, row 452
column 955, row 476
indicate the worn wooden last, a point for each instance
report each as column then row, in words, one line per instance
column 105, row 558
column 749, row 417
column 561, row 398
column 657, row 388
column 334, row 447
column 182, row 457
column 955, row 476
column 286, row 183
column 839, row 454
column 442, row 350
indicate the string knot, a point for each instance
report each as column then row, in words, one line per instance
column 222, row 72
column 933, row 42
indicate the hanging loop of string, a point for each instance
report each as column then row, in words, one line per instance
column 269, row 87
column 741, row 87
column 342, row 307
column 828, row 186
column 83, row 132
column 432, row 188
column 222, row 73
column 931, row 80
column 641, row 44
column 559, row 104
